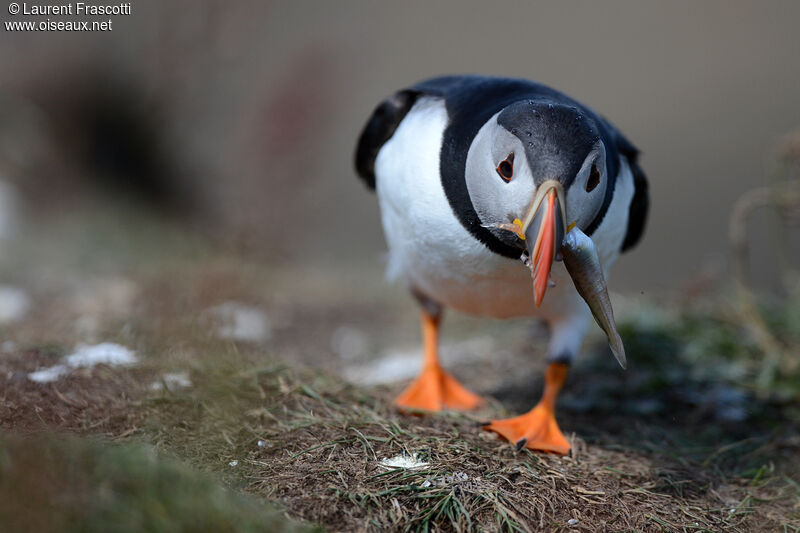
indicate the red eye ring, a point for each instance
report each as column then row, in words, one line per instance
column 594, row 179
column 506, row 168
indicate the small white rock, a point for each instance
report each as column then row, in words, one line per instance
column 241, row 322
column 86, row 356
column 399, row 364
column 49, row 374
column 403, row 461
column 572, row 521
column 108, row 353
column 261, row 444
column 14, row 304
column 173, row 381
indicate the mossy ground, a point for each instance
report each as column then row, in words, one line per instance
column 58, row 482
column 270, row 431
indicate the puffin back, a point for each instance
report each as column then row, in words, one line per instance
column 379, row 128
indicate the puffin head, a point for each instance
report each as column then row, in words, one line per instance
column 537, row 168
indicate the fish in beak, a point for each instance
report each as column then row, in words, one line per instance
column 543, row 230
column 583, row 266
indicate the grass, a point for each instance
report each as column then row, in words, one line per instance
column 322, row 442
column 682, row 441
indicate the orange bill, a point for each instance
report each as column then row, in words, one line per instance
column 543, row 235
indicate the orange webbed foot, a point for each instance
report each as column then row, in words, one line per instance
column 435, row 390
column 535, row 430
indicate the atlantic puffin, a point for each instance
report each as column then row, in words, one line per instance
column 479, row 179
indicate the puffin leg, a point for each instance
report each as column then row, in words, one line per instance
column 435, row 389
column 537, row 429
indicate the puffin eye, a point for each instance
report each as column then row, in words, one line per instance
column 594, row 179
column 506, row 168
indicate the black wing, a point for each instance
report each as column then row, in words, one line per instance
column 379, row 129
column 390, row 113
column 640, row 204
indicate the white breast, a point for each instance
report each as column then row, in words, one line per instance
column 430, row 249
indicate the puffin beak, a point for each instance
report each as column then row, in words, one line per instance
column 543, row 227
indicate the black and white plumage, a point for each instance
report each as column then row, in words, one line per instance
column 435, row 152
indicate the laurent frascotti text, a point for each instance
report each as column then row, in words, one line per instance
column 78, row 8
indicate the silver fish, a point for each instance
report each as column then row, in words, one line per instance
column 583, row 265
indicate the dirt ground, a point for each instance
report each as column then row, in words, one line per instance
column 274, row 386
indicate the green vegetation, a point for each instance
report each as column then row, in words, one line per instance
column 51, row 482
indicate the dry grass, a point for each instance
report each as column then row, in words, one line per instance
column 322, row 442
column 88, row 400
column 660, row 447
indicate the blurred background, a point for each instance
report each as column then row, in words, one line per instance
column 188, row 261
column 239, row 120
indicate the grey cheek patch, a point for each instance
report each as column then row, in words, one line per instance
column 497, row 202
